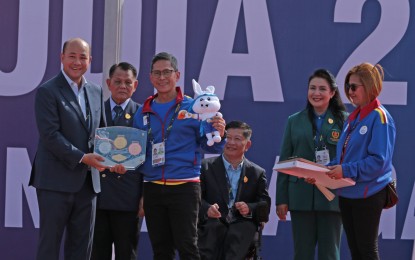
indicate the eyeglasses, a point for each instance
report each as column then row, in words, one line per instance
column 353, row 87
column 158, row 73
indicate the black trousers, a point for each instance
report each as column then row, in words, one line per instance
column 119, row 227
column 361, row 219
column 171, row 217
column 220, row 241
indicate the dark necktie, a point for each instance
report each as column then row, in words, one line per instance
column 118, row 112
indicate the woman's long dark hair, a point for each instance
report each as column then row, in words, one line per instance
column 336, row 105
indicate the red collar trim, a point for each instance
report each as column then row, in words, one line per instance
column 149, row 100
column 365, row 110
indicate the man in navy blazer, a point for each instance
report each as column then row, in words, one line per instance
column 68, row 109
column 117, row 220
column 235, row 198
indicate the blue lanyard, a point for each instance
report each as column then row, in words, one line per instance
column 149, row 132
column 346, row 141
column 230, row 192
column 318, row 136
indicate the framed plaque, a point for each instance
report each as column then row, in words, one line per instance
column 303, row 168
column 121, row 145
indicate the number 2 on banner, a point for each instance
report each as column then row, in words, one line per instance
column 392, row 26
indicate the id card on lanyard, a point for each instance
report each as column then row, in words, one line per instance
column 322, row 156
column 158, row 157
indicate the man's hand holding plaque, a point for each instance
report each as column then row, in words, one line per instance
column 118, row 168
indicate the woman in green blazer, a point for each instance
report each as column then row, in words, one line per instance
column 312, row 134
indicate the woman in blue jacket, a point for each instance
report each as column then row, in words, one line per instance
column 364, row 154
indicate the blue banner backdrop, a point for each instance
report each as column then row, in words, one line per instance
column 258, row 54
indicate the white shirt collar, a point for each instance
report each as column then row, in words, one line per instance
column 123, row 105
column 73, row 84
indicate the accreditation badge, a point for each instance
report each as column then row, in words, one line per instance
column 158, row 157
column 323, row 157
column 145, row 120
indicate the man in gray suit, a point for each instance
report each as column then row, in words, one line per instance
column 117, row 220
column 68, row 109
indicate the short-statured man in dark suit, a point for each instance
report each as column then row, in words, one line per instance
column 234, row 198
column 117, row 220
column 68, row 109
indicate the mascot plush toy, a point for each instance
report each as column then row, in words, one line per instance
column 205, row 106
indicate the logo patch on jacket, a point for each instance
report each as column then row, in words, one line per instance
column 363, row 130
column 335, row 134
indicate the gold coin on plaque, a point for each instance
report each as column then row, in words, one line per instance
column 120, row 142
column 118, row 157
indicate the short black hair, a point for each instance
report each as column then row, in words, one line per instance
column 124, row 66
column 164, row 56
column 247, row 130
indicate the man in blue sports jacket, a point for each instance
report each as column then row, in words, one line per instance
column 171, row 188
